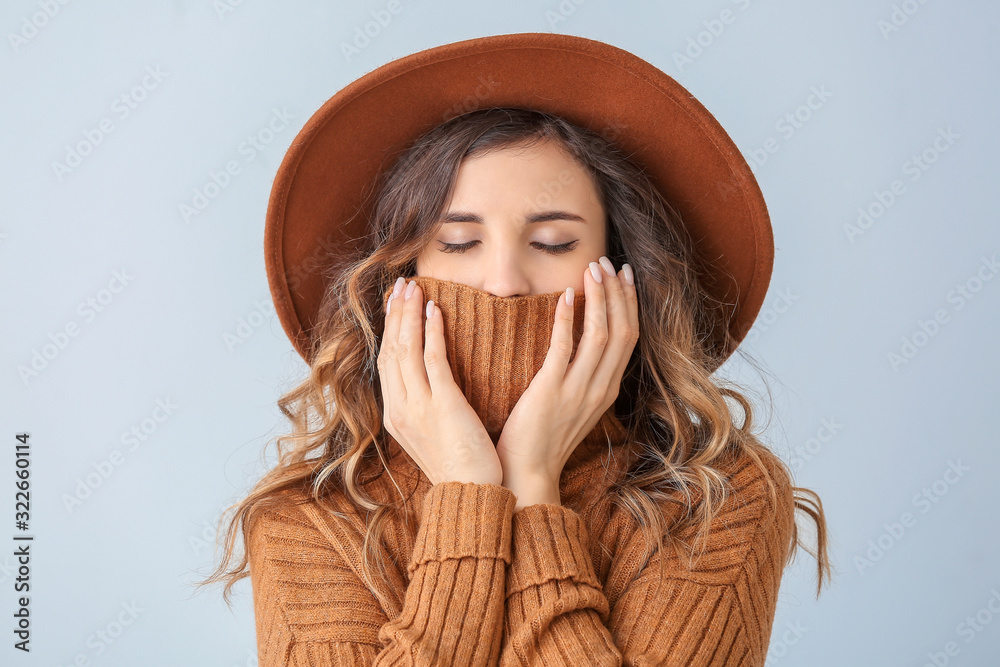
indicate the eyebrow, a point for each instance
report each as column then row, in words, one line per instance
column 544, row 216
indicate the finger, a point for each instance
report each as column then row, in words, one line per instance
column 393, row 388
column 631, row 298
column 439, row 374
column 617, row 307
column 561, row 339
column 410, row 348
column 620, row 336
column 595, row 332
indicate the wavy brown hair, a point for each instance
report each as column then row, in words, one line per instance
column 679, row 423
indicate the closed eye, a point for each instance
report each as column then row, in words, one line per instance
column 551, row 249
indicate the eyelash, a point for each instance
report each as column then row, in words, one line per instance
column 551, row 249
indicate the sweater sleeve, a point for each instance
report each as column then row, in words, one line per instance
column 312, row 610
column 717, row 613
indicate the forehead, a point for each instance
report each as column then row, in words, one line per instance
column 531, row 177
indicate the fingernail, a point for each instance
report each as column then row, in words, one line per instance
column 430, row 308
column 607, row 266
column 595, row 271
column 409, row 290
column 569, row 296
column 398, row 287
column 629, row 278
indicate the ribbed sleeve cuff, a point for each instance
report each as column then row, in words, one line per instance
column 461, row 519
column 549, row 542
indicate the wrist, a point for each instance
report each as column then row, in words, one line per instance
column 532, row 490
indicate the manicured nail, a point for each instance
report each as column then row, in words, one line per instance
column 569, row 296
column 398, row 287
column 607, row 266
column 595, row 271
column 629, row 278
column 430, row 308
column 409, row 290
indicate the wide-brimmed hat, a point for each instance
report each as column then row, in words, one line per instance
column 320, row 203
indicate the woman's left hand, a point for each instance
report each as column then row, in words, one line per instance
column 564, row 401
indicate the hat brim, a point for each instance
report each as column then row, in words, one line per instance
column 318, row 198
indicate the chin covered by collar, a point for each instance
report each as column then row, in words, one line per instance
column 496, row 345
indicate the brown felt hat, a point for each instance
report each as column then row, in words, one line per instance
column 321, row 200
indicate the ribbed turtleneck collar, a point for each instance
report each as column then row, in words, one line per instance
column 495, row 345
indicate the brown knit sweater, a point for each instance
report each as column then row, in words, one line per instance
column 473, row 583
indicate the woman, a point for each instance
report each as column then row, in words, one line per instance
column 510, row 448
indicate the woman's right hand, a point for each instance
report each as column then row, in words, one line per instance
column 424, row 409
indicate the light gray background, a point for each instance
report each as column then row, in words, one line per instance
column 868, row 436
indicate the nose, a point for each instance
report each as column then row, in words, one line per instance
column 504, row 276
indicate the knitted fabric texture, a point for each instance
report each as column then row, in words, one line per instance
column 475, row 583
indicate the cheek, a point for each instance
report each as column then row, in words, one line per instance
column 572, row 276
column 429, row 263
column 438, row 265
column 592, row 252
